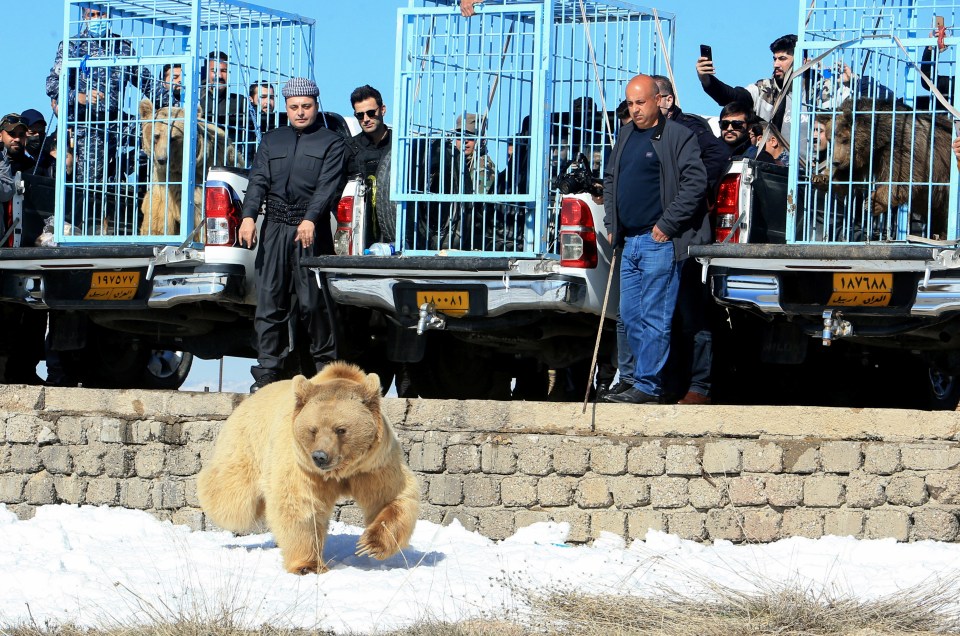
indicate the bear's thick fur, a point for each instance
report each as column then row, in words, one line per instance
column 292, row 449
column 163, row 132
column 886, row 144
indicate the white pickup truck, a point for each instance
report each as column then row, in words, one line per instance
column 877, row 322
column 462, row 325
column 128, row 315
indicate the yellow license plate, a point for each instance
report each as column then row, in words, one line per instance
column 452, row 303
column 861, row 290
column 113, row 286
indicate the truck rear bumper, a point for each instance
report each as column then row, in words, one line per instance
column 68, row 289
column 934, row 298
column 170, row 290
column 503, row 295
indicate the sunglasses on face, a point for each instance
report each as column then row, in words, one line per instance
column 736, row 124
column 372, row 114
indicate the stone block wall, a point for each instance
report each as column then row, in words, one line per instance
column 704, row 473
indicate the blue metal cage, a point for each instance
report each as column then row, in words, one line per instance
column 491, row 109
column 149, row 94
column 870, row 160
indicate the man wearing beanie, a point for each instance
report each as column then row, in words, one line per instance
column 297, row 172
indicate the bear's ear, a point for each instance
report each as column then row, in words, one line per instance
column 302, row 391
column 146, row 109
column 371, row 386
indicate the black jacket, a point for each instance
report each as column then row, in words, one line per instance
column 714, row 152
column 297, row 167
column 363, row 156
column 683, row 184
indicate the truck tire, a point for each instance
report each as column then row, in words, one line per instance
column 386, row 209
column 112, row 360
column 166, row 370
column 942, row 389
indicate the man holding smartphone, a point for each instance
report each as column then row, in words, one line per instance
column 762, row 94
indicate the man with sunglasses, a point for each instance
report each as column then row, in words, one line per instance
column 736, row 119
column 367, row 148
column 13, row 133
column 297, row 172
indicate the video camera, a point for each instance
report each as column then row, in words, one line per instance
column 578, row 178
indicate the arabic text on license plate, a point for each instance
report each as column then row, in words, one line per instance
column 861, row 290
column 452, row 303
column 113, row 286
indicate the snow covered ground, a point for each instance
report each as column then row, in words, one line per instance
column 97, row 566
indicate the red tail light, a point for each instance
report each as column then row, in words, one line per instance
column 343, row 237
column 345, row 211
column 728, row 208
column 223, row 216
column 578, row 238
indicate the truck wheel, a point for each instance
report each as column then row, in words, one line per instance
column 166, row 370
column 942, row 390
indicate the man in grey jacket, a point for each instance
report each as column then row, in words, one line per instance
column 653, row 186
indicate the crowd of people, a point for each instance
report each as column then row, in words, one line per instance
column 659, row 183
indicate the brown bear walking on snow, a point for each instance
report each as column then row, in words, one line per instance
column 291, row 450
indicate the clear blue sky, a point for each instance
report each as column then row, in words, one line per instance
column 355, row 46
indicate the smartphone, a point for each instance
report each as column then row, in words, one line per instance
column 706, row 51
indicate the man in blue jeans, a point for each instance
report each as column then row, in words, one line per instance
column 653, row 186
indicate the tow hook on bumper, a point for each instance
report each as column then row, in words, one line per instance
column 834, row 327
column 429, row 319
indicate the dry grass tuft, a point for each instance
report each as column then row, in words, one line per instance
column 921, row 611
column 930, row 609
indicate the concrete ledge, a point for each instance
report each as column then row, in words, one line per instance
column 748, row 473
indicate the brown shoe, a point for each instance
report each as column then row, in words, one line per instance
column 692, row 397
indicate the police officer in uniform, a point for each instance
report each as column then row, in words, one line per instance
column 297, row 172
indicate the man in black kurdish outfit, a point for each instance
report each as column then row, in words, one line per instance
column 297, row 171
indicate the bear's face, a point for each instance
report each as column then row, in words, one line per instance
column 336, row 424
column 841, row 144
column 163, row 140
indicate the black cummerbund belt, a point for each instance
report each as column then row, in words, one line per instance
column 286, row 213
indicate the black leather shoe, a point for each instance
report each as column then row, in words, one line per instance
column 603, row 390
column 262, row 381
column 619, row 387
column 632, row 395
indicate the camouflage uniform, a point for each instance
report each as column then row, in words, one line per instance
column 99, row 132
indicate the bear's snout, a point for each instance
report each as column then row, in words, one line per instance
column 320, row 458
